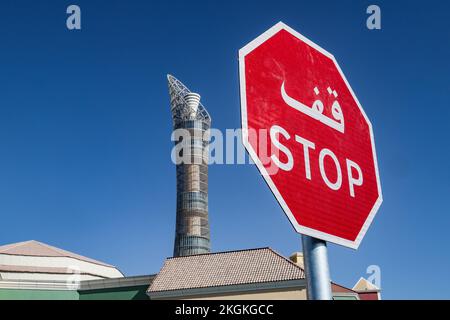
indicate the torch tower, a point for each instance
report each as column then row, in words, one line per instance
column 192, row 225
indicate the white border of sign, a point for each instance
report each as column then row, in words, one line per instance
column 301, row 229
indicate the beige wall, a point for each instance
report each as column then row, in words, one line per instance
column 266, row 295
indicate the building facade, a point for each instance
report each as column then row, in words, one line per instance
column 249, row 274
column 33, row 270
column 191, row 123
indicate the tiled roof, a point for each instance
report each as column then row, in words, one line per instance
column 224, row 269
column 39, row 249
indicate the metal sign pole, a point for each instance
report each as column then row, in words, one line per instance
column 316, row 269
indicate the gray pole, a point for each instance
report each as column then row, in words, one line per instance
column 316, row 269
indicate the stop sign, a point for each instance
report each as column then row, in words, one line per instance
column 309, row 136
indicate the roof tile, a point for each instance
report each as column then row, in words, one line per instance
column 225, row 268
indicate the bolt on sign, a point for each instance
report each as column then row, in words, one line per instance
column 318, row 154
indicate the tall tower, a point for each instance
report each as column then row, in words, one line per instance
column 192, row 226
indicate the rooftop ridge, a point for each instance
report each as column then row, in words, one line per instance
column 9, row 250
column 10, row 246
column 222, row 252
column 287, row 259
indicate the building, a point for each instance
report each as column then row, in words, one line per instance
column 250, row 274
column 243, row 274
column 191, row 121
column 367, row 290
column 33, row 270
column 35, row 260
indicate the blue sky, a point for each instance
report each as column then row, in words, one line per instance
column 85, row 129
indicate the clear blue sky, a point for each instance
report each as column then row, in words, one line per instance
column 85, row 129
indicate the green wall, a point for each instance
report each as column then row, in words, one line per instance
column 28, row 294
column 126, row 293
column 344, row 298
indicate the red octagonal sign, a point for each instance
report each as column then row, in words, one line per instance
column 309, row 136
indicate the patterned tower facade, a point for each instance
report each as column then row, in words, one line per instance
column 191, row 122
